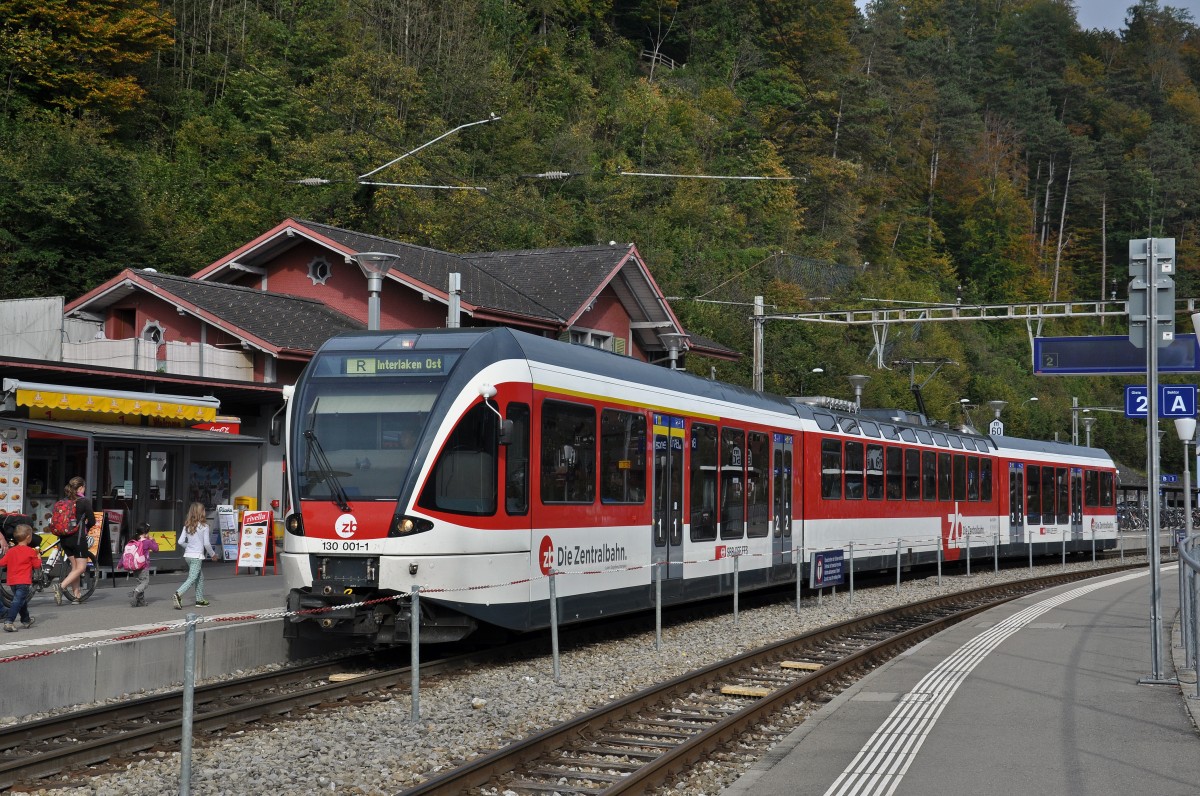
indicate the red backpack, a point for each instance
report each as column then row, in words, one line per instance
column 63, row 517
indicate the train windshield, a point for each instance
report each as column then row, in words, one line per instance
column 358, row 431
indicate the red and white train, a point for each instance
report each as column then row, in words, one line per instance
column 473, row 462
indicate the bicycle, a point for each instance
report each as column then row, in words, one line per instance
column 56, row 565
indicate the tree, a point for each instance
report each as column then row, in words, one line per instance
column 77, row 55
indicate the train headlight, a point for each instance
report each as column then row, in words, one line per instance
column 407, row 526
column 294, row 524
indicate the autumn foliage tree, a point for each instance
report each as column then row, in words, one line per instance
column 78, row 55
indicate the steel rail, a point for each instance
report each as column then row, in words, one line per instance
column 496, row 768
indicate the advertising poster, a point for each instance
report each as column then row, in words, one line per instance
column 12, row 469
column 94, row 533
column 252, row 547
column 228, row 528
column 165, row 539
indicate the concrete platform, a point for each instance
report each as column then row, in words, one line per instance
column 60, row 661
column 1042, row 695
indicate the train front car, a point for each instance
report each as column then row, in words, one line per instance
column 394, row 441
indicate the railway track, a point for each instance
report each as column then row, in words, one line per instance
column 653, row 737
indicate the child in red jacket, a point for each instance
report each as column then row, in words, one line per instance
column 20, row 560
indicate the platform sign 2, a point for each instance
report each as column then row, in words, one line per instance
column 826, row 568
column 1174, row 400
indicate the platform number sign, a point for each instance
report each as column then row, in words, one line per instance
column 1174, row 400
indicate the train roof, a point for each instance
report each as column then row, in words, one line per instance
column 1053, row 448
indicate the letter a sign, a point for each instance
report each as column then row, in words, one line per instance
column 1174, row 400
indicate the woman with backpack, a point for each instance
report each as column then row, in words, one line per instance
column 76, row 542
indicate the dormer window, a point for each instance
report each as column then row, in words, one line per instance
column 153, row 332
column 319, row 270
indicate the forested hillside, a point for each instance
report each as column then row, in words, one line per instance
column 932, row 144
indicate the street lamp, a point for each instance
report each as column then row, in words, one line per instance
column 1185, row 427
column 374, row 266
column 814, row 371
column 858, row 382
column 1088, row 422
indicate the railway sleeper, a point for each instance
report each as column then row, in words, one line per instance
column 567, row 773
column 542, row 787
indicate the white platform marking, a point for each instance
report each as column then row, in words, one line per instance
column 882, row 762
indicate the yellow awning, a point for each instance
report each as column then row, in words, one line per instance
column 51, row 396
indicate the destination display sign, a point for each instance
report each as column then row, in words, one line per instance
column 395, row 365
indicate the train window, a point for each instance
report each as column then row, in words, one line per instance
column 831, row 469
column 870, row 429
column 895, row 473
column 940, row 439
column 1063, row 503
column 1091, row 488
column 850, row 425
column 923, row 435
column 985, row 480
column 1107, row 489
column 972, row 478
column 889, row 431
column 945, row 477
column 825, row 422
column 874, row 472
column 928, row 475
column 960, row 476
column 464, row 476
column 1048, row 495
column 568, row 453
column 733, row 480
column 1033, row 494
column 516, row 461
column 956, row 442
column 912, row 474
column 908, row 435
column 622, row 457
column 703, row 488
column 854, row 471
column 758, row 475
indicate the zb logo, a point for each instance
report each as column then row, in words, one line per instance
column 345, row 526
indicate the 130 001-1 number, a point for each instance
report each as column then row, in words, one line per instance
column 352, row 547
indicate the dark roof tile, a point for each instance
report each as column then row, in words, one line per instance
column 287, row 322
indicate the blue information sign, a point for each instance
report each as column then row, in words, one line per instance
column 826, row 568
column 1174, row 400
column 1068, row 356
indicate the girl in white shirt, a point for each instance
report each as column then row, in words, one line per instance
column 194, row 538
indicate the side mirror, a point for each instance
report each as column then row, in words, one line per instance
column 275, row 430
column 506, row 432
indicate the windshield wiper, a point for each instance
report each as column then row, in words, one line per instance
column 326, row 471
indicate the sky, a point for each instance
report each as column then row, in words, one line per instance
column 1110, row 14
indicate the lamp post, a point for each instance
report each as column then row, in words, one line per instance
column 858, row 382
column 1088, row 422
column 374, row 266
column 814, row 371
column 1185, row 427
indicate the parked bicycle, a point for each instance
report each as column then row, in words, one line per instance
column 56, row 564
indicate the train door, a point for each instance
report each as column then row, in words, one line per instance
column 668, row 494
column 1076, row 503
column 1016, row 502
column 781, row 504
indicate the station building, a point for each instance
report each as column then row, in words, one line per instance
column 163, row 390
